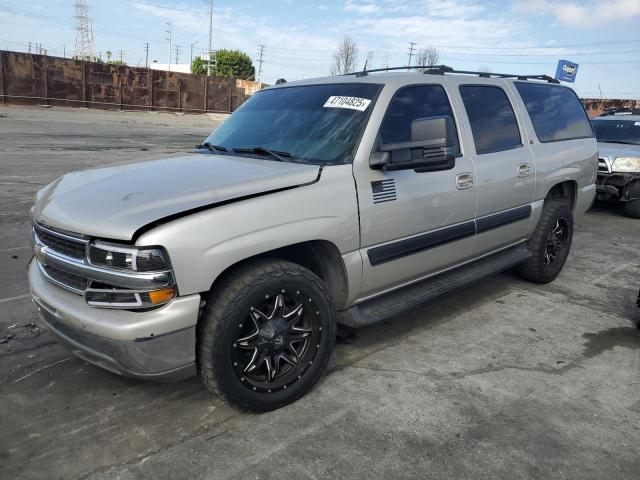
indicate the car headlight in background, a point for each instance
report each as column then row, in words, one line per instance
column 626, row 164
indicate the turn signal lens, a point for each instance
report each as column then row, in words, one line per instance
column 161, row 296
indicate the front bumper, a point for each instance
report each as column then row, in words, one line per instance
column 157, row 344
column 618, row 186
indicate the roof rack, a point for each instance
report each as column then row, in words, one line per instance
column 442, row 69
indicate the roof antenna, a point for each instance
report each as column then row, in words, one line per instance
column 363, row 73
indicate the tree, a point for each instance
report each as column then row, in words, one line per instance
column 427, row 56
column 227, row 63
column 345, row 57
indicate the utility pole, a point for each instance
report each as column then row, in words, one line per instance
column 146, row 54
column 121, row 52
column 169, row 40
column 177, row 54
column 64, row 50
column 210, row 37
column 29, row 48
column 411, row 47
column 191, row 57
column 260, row 60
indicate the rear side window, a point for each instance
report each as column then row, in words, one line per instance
column 491, row 116
column 409, row 104
column 556, row 112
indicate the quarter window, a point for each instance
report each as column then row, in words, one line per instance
column 491, row 116
column 556, row 112
column 409, row 104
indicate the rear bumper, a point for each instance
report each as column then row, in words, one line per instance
column 156, row 345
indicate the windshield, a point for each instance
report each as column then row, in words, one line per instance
column 315, row 123
column 620, row 131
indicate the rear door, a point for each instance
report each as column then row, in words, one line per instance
column 505, row 166
column 413, row 224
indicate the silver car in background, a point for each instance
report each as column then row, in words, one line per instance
column 618, row 138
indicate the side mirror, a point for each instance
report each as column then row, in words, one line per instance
column 433, row 147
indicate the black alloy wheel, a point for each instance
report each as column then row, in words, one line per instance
column 277, row 341
column 265, row 334
column 556, row 241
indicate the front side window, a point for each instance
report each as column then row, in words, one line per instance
column 617, row 131
column 555, row 111
column 493, row 123
column 409, row 104
column 316, row 123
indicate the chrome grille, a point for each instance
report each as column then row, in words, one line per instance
column 66, row 280
column 62, row 243
column 603, row 165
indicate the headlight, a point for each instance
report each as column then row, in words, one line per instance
column 626, row 164
column 120, row 257
column 136, row 260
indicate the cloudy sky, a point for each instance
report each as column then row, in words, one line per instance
column 512, row 36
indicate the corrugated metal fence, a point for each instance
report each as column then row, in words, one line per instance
column 39, row 79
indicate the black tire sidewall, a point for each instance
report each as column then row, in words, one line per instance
column 632, row 209
column 557, row 211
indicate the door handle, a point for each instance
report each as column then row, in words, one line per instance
column 524, row 170
column 464, row 180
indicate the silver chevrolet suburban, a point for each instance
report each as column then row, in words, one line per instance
column 336, row 200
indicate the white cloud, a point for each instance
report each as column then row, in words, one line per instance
column 361, row 8
column 585, row 14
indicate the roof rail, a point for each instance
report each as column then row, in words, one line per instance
column 442, row 69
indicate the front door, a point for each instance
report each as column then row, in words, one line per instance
column 413, row 224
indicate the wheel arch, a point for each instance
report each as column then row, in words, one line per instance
column 321, row 257
column 565, row 191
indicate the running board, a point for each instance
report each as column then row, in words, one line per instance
column 416, row 294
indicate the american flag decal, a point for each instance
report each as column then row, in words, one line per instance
column 383, row 190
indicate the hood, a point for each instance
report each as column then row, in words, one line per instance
column 615, row 150
column 114, row 202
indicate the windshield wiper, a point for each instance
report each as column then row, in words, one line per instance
column 278, row 155
column 212, row 148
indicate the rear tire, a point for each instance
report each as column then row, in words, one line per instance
column 550, row 243
column 632, row 208
column 265, row 334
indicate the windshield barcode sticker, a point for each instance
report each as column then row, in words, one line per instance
column 352, row 103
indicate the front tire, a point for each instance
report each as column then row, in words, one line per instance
column 549, row 244
column 265, row 334
column 632, row 208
